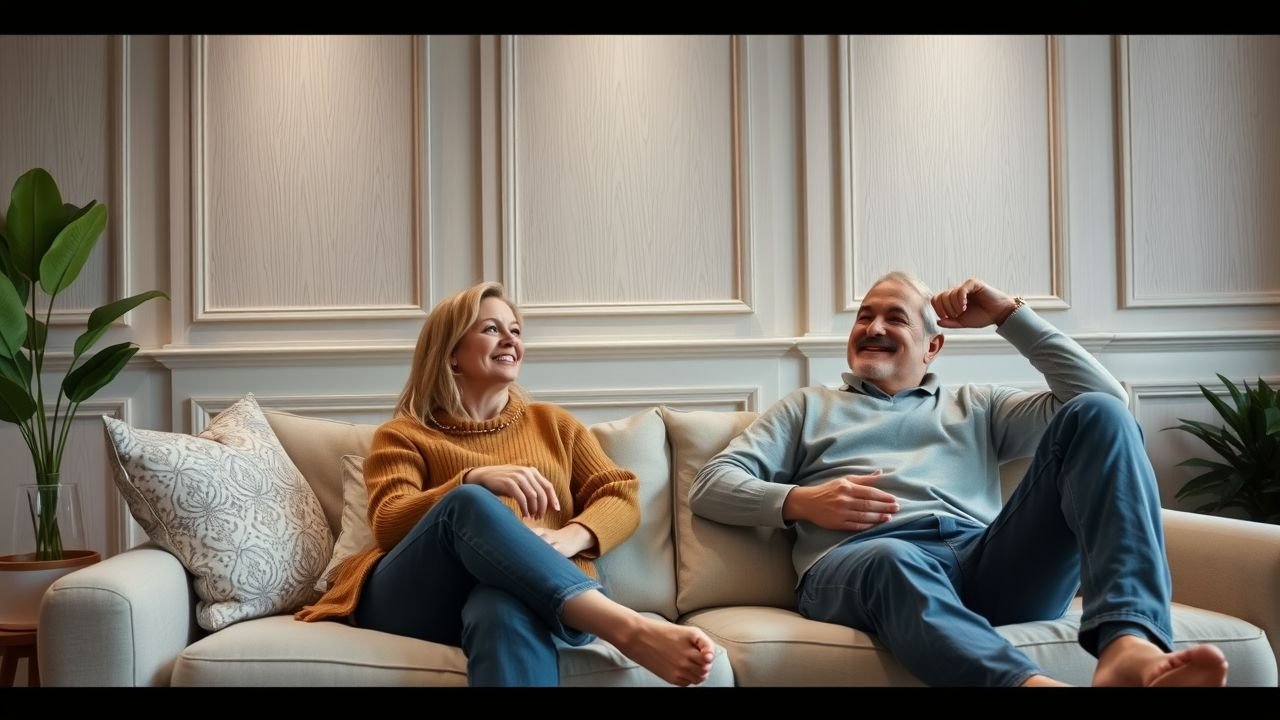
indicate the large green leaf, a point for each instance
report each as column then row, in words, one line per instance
column 1213, row 437
column 1273, row 421
column 1235, row 393
column 18, row 370
column 97, row 371
column 34, row 219
column 66, row 257
column 13, row 319
column 37, row 333
column 9, row 270
column 101, row 319
column 1205, row 483
column 15, row 402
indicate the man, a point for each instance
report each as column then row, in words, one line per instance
column 892, row 486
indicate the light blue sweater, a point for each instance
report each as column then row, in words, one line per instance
column 939, row 448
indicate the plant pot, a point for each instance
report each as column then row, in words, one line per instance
column 46, row 517
column 24, row 580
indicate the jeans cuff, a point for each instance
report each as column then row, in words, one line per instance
column 1090, row 632
column 571, row 636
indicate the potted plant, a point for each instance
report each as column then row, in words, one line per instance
column 1250, row 445
column 44, row 245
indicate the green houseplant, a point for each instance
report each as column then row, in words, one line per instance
column 44, row 245
column 1250, row 445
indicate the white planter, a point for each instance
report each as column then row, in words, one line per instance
column 23, row 581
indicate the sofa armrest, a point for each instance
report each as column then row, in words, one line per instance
column 120, row 622
column 1228, row 566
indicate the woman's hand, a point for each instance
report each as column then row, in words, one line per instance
column 532, row 492
column 568, row 540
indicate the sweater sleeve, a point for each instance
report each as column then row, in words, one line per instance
column 605, row 496
column 1019, row 417
column 400, row 490
column 748, row 482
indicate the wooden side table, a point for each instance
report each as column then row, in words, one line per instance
column 16, row 644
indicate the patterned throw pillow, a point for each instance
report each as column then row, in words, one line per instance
column 231, row 506
column 356, row 535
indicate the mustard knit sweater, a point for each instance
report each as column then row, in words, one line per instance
column 411, row 466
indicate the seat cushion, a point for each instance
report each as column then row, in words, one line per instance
column 281, row 651
column 771, row 646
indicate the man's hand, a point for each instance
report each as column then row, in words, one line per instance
column 568, row 540
column 846, row 503
column 972, row 304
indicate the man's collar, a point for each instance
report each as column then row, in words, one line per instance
column 928, row 384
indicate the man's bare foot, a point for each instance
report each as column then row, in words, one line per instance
column 1132, row 661
column 679, row 654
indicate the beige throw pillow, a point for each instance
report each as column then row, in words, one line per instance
column 721, row 565
column 356, row 536
column 231, row 506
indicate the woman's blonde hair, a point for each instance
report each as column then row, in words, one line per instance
column 431, row 382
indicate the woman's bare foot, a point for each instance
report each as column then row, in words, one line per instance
column 1133, row 661
column 679, row 654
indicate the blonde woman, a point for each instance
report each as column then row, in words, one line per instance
column 488, row 511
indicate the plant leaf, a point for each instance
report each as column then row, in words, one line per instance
column 1235, row 393
column 13, row 319
column 97, row 371
column 9, row 270
column 34, row 219
column 1200, row 462
column 16, row 404
column 18, row 370
column 71, row 248
column 1239, row 424
column 37, row 333
column 1273, row 421
column 101, row 319
column 1207, row 482
column 1208, row 507
column 1212, row 437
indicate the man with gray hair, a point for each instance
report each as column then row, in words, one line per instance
column 892, row 486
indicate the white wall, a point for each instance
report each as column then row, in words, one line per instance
column 687, row 220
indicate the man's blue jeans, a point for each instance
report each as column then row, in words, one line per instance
column 1086, row 515
column 471, row 574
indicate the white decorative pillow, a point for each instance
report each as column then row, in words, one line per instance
column 231, row 506
column 356, row 536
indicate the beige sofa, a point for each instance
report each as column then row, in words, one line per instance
column 130, row 620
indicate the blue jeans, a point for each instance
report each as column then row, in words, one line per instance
column 1086, row 515
column 471, row 574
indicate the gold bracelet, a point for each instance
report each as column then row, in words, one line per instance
column 1018, row 302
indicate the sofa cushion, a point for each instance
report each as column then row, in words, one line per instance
column 356, row 535
column 641, row 572
column 231, row 506
column 279, row 650
column 316, row 446
column 719, row 565
column 771, row 646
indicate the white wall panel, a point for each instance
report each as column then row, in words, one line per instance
column 1201, row 169
column 953, row 165
column 624, row 174
column 307, row 164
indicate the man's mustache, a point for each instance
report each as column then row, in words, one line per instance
column 880, row 342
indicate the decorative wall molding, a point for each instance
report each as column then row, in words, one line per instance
column 744, row 397
column 742, row 231
column 119, row 227
column 1146, row 390
column 1131, row 295
column 1058, row 298
column 205, row 408
column 421, row 222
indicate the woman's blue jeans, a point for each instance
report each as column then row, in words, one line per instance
column 471, row 574
column 1086, row 516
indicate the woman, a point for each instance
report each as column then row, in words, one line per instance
column 488, row 512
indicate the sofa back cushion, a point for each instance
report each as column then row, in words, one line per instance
column 640, row 573
column 719, row 565
column 316, row 447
